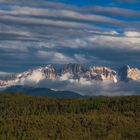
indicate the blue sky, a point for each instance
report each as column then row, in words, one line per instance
column 92, row 32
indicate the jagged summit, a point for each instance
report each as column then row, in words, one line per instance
column 72, row 68
column 73, row 71
column 127, row 73
column 101, row 73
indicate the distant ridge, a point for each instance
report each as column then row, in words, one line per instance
column 42, row 92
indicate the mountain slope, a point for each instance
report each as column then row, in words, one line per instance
column 41, row 92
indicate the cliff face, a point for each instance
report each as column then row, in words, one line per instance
column 101, row 73
column 74, row 71
column 72, row 68
column 91, row 73
column 133, row 74
column 50, row 72
column 127, row 73
column 7, row 82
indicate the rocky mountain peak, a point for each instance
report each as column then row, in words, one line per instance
column 101, row 73
column 127, row 73
column 72, row 68
column 133, row 74
column 50, row 72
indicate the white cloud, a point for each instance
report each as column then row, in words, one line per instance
column 115, row 11
column 93, row 88
column 115, row 42
column 33, row 79
column 16, row 10
column 112, row 32
column 4, row 73
column 50, row 22
column 66, row 76
column 81, row 58
column 54, row 57
column 15, row 46
column 32, row 35
column 132, row 34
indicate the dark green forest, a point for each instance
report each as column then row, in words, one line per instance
column 25, row 117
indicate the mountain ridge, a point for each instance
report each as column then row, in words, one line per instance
column 73, row 71
column 38, row 91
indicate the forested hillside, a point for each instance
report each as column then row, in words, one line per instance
column 25, row 117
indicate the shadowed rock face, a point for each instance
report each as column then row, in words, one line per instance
column 123, row 73
column 72, row 68
column 74, row 71
column 50, row 72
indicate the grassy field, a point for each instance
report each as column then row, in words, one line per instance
column 24, row 117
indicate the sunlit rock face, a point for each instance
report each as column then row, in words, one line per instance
column 35, row 75
column 78, row 71
column 101, row 73
column 133, row 74
column 39, row 73
column 73, row 72
column 127, row 73
column 6, row 82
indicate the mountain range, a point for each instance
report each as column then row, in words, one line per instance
column 72, row 72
